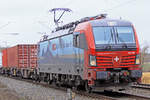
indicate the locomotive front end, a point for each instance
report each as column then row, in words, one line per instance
column 112, row 55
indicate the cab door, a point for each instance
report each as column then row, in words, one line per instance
column 80, row 45
column 77, row 52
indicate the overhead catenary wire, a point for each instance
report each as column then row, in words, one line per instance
column 45, row 26
column 120, row 5
column 68, row 3
column 5, row 25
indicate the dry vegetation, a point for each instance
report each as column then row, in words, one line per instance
column 146, row 78
column 145, row 58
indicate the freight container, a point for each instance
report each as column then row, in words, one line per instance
column 12, row 57
column 22, row 56
column 20, row 59
column 0, row 59
column 4, row 58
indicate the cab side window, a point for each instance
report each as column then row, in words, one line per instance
column 76, row 39
column 79, row 41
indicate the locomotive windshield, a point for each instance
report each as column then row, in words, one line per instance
column 103, row 35
column 124, row 34
column 113, row 35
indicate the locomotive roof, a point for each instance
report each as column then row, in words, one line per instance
column 57, row 34
column 110, row 22
column 69, row 28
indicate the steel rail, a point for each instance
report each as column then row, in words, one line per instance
column 143, row 86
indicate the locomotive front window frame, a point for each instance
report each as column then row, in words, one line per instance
column 103, row 35
column 124, row 34
column 113, row 35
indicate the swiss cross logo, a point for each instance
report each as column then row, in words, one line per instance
column 116, row 58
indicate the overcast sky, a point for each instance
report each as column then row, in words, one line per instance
column 31, row 17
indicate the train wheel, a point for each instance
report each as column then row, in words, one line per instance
column 88, row 89
column 50, row 82
column 75, row 88
column 58, row 84
column 54, row 83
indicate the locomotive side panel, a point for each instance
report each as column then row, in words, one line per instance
column 59, row 56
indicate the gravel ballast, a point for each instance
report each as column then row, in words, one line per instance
column 31, row 91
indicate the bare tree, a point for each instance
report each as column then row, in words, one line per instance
column 144, row 52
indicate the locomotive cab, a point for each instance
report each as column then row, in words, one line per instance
column 111, row 53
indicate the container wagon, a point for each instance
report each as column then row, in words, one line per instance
column 20, row 60
column 95, row 53
column 4, row 58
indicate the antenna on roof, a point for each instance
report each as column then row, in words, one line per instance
column 54, row 10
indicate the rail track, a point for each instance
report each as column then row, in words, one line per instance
column 95, row 95
column 143, row 86
column 134, row 95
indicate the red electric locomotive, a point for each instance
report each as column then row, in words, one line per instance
column 97, row 53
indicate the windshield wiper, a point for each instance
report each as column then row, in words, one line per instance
column 120, row 39
column 123, row 42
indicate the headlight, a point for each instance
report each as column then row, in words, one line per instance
column 92, row 60
column 137, row 59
